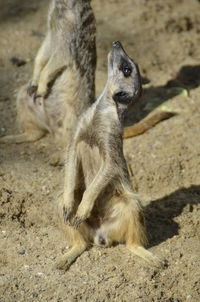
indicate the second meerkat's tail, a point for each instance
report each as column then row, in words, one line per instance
column 146, row 124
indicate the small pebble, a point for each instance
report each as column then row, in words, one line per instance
column 18, row 62
column 21, row 252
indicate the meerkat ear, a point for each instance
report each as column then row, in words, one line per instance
column 122, row 97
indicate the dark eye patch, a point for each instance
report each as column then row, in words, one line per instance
column 126, row 71
column 125, row 67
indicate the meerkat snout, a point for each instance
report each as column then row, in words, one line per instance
column 101, row 240
column 117, row 44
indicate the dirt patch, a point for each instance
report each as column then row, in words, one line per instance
column 164, row 38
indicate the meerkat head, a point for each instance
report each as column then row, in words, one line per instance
column 102, row 236
column 110, row 232
column 113, row 227
column 124, row 81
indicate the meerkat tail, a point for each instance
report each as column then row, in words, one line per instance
column 21, row 138
column 146, row 124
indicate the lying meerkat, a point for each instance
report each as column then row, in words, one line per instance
column 98, row 204
column 68, row 57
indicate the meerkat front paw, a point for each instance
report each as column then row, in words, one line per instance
column 82, row 214
column 31, row 89
column 42, row 90
column 36, row 91
column 67, row 213
column 76, row 221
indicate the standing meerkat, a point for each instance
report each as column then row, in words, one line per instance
column 68, row 58
column 98, row 204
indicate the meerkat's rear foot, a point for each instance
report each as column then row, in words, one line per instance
column 77, row 243
column 65, row 261
column 58, row 158
column 145, row 254
column 22, row 138
column 31, row 117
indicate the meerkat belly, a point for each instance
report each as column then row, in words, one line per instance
column 90, row 161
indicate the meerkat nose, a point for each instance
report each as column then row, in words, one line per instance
column 102, row 240
column 117, row 44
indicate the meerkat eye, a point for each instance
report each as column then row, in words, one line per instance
column 126, row 71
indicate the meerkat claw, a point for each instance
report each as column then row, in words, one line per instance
column 31, row 89
column 67, row 214
column 36, row 96
column 77, row 221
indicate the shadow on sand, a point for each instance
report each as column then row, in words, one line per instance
column 188, row 78
column 11, row 9
column 161, row 212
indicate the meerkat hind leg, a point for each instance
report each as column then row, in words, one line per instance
column 79, row 245
column 22, row 138
column 145, row 254
column 65, row 261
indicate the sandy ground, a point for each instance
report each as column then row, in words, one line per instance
column 164, row 38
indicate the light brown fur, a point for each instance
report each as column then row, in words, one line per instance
column 98, row 204
column 68, row 58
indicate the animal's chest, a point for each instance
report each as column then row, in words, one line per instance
column 91, row 160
